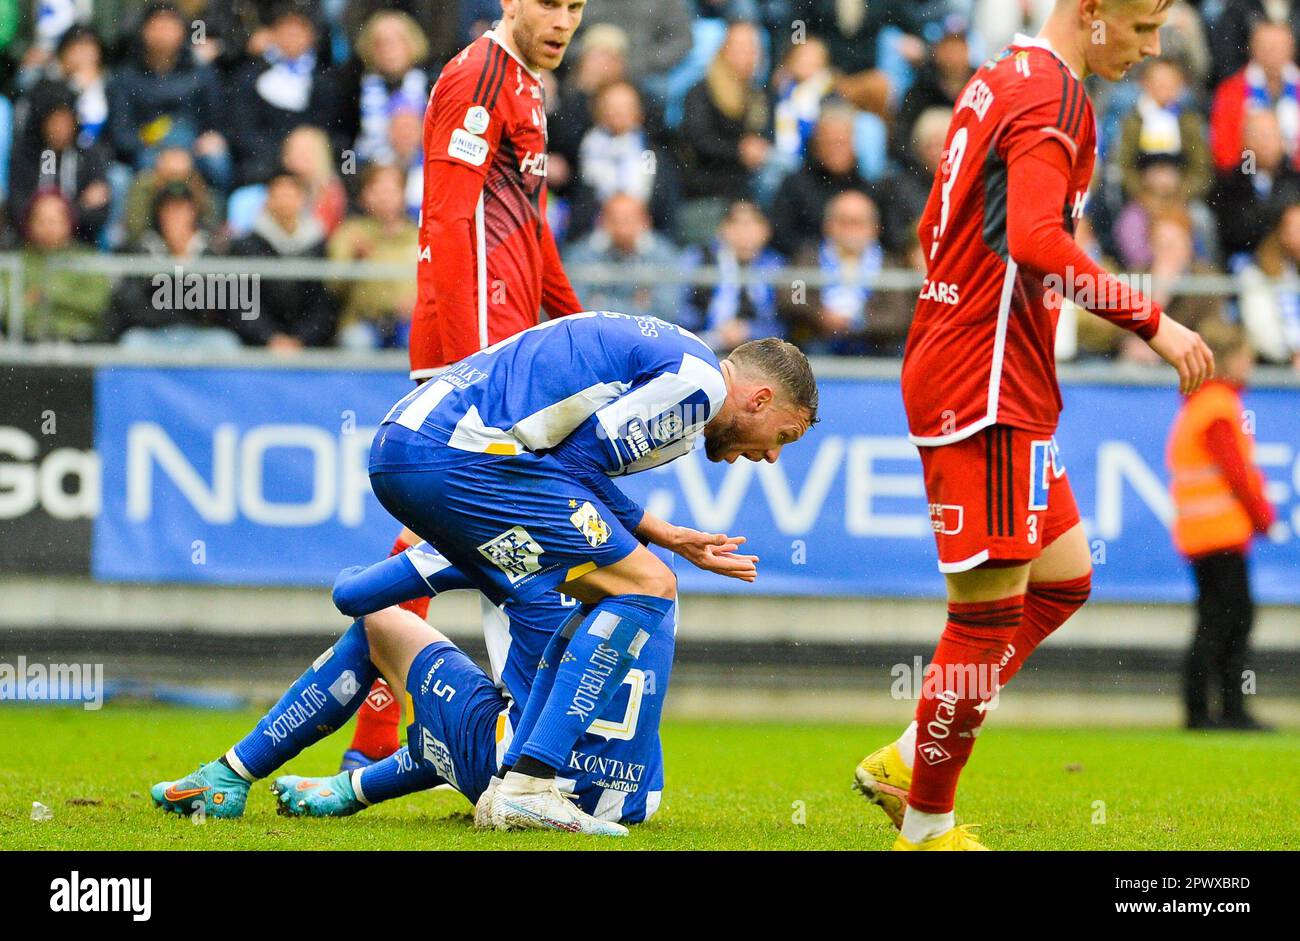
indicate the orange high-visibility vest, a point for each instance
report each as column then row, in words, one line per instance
column 1208, row 517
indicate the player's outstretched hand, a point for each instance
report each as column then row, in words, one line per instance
column 1183, row 349
column 716, row 552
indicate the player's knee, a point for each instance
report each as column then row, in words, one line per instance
column 659, row 582
column 347, row 594
column 383, row 624
column 1067, row 595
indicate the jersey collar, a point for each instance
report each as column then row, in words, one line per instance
column 492, row 35
column 1024, row 39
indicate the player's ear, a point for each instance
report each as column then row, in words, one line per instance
column 761, row 398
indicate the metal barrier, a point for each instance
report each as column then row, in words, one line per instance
column 889, row 279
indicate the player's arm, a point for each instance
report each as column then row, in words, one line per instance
column 1037, row 184
column 419, row 572
column 558, row 296
column 458, row 152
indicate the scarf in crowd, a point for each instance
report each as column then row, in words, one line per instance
column 1288, row 303
column 733, row 301
column 798, row 105
column 376, row 101
column 1160, row 132
column 617, row 164
column 1287, row 105
column 852, row 288
column 287, row 83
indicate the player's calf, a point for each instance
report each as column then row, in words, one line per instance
column 318, row 702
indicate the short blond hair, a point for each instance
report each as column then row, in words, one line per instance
column 414, row 35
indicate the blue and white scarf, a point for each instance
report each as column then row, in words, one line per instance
column 726, row 300
column 612, row 164
column 852, row 288
column 376, row 103
column 1287, row 105
column 287, row 83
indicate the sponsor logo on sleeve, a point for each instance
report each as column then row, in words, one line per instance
column 468, row 147
column 666, row 427
column 477, row 119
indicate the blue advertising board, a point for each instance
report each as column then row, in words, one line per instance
column 258, row 477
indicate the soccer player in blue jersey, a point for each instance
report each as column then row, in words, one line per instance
column 503, row 463
column 616, row 769
column 464, row 721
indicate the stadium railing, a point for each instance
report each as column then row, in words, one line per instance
column 13, row 296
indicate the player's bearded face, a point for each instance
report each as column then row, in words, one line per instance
column 721, row 439
column 542, row 30
column 754, row 436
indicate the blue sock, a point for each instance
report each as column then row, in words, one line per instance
column 590, row 671
column 320, row 701
column 543, row 680
column 396, row 776
column 415, row 573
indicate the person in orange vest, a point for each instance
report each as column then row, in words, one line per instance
column 1219, row 508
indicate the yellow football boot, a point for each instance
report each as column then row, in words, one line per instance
column 883, row 779
column 958, row 838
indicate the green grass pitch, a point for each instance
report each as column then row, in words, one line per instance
column 729, row 786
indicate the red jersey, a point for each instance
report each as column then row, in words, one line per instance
column 488, row 263
column 980, row 350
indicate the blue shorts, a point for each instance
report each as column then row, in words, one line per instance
column 457, row 708
column 515, row 525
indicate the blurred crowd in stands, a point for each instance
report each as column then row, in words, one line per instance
column 741, row 135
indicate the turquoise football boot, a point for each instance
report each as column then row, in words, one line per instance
column 315, row 797
column 212, row 791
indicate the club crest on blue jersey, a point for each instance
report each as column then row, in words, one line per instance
column 590, row 523
column 514, row 552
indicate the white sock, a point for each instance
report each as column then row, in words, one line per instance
column 516, row 783
column 918, row 826
column 237, row 766
column 355, row 780
column 906, row 745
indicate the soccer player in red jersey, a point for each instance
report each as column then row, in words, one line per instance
column 488, row 262
column 980, row 390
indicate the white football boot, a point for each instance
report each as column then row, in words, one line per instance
column 483, row 808
column 525, row 803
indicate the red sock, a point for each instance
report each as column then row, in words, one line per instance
column 377, row 723
column 1048, row 605
column 962, row 676
column 417, row 606
column 380, row 716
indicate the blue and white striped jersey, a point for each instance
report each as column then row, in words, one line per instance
column 630, row 392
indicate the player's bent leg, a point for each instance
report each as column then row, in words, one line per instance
column 638, row 573
column 1060, row 581
column 639, row 567
column 396, row 637
column 884, row 777
column 318, row 702
column 583, row 667
column 984, row 611
column 376, row 733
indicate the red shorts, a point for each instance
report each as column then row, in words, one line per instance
column 1000, row 495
